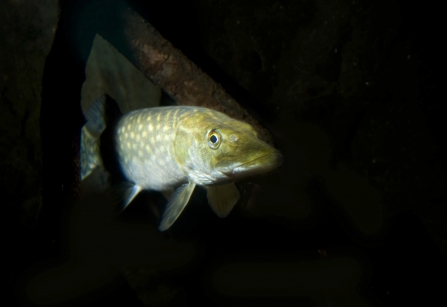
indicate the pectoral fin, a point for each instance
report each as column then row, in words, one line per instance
column 176, row 204
column 222, row 198
column 124, row 193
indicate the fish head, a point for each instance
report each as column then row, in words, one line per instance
column 215, row 149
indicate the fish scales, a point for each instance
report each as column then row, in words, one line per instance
column 155, row 169
column 179, row 147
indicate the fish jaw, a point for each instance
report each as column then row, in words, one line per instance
column 239, row 153
column 256, row 165
column 248, row 156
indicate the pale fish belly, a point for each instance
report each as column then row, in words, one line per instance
column 144, row 142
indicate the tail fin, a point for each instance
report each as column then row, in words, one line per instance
column 90, row 136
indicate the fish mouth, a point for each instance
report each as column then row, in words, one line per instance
column 257, row 166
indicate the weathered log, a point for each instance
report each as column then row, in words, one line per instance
column 170, row 69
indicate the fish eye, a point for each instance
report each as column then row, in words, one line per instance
column 214, row 138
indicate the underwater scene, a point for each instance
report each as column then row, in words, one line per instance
column 223, row 153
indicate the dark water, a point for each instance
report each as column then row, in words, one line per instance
column 355, row 215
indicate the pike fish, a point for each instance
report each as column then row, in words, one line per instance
column 179, row 147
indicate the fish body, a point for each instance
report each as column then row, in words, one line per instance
column 180, row 147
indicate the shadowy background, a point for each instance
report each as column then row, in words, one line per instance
column 350, row 91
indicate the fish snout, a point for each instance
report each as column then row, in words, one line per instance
column 259, row 165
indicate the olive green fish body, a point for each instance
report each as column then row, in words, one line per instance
column 180, row 147
column 144, row 143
